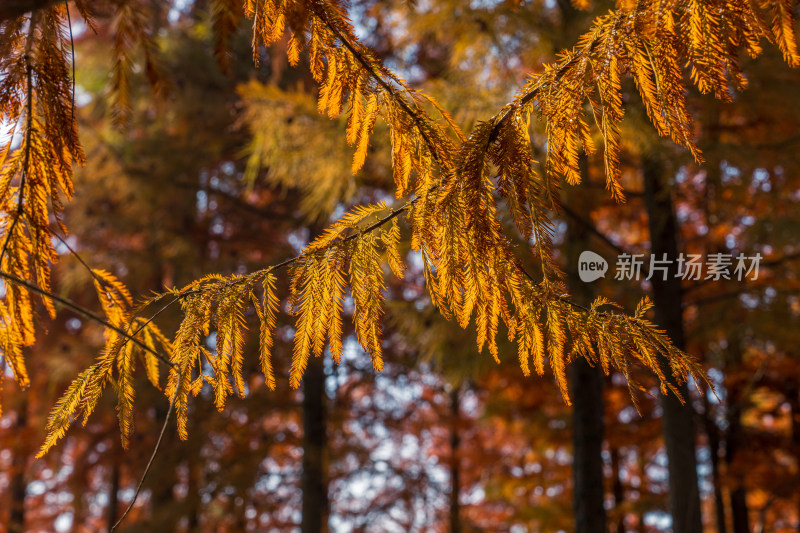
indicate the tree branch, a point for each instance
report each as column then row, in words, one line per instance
column 591, row 228
column 85, row 312
column 420, row 124
column 29, row 128
column 372, row 227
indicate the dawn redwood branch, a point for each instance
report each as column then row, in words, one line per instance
column 524, row 99
column 85, row 312
column 29, row 128
column 379, row 79
column 393, row 213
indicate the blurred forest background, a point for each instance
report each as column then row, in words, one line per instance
column 223, row 167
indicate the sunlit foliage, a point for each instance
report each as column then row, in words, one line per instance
column 453, row 187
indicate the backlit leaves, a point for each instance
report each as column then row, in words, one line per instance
column 460, row 189
column 116, row 365
column 133, row 33
column 267, row 312
column 37, row 155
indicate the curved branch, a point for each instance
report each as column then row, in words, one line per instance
column 372, row 227
column 499, row 120
column 421, row 124
column 85, row 312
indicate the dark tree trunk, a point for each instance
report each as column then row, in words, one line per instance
column 193, row 495
column 113, row 491
column 587, row 427
column 794, row 403
column 19, row 485
column 713, row 446
column 678, row 418
column 163, row 478
column 618, row 491
column 642, row 527
column 314, row 479
column 733, row 442
column 586, row 388
column 455, row 467
column 10, row 9
column 713, row 183
column 741, row 519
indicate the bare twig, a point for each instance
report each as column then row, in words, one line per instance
column 153, row 455
column 591, row 228
column 80, row 259
column 288, row 262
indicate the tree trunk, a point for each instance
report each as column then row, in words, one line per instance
column 113, row 489
column 163, row 478
column 678, row 418
column 193, row 495
column 741, row 520
column 587, row 439
column 713, row 199
column 18, row 483
column 794, row 403
column 455, row 470
column 11, row 9
column 617, row 488
column 586, row 387
column 314, row 479
column 733, row 442
column 713, row 446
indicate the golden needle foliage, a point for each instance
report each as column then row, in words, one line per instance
column 452, row 185
column 37, row 155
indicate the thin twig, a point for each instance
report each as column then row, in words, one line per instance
column 103, row 282
column 153, row 455
column 153, row 317
column 80, row 259
column 593, row 229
